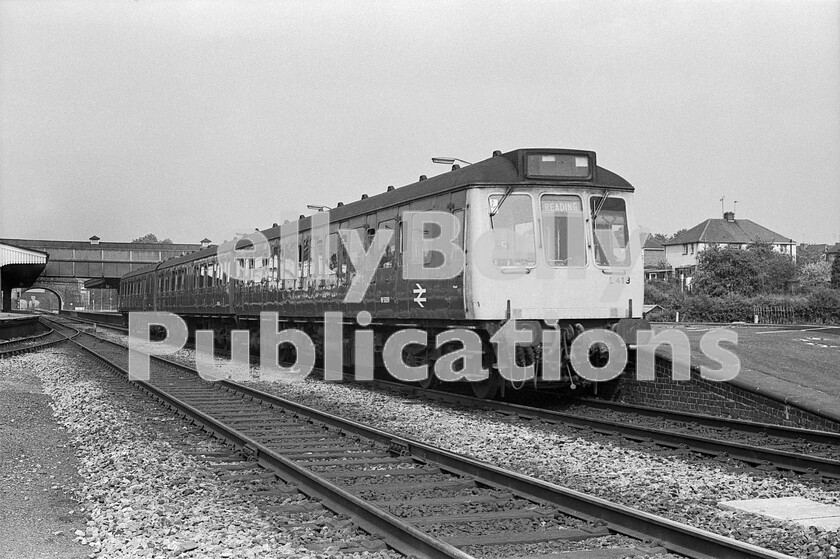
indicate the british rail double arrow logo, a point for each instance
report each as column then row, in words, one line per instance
column 420, row 291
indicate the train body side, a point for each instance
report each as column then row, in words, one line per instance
column 575, row 269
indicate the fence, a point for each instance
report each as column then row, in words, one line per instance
column 776, row 314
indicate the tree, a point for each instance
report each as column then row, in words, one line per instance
column 806, row 254
column 759, row 269
column 152, row 238
column 835, row 273
column 722, row 271
column 661, row 237
column 777, row 269
column 815, row 274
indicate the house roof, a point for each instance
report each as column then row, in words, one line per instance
column 652, row 243
column 725, row 231
column 832, row 250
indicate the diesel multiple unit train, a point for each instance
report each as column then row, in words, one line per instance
column 545, row 236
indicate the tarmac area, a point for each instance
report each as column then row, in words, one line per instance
column 800, row 364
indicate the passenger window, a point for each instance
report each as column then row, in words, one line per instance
column 432, row 259
column 332, row 263
column 289, row 262
column 304, row 263
column 387, row 260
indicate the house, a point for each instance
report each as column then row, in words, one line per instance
column 681, row 252
column 656, row 265
column 831, row 253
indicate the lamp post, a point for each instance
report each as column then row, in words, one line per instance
column 317, row 207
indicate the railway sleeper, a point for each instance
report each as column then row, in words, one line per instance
column 507, row 538
column 421, row 471
column 477, row 516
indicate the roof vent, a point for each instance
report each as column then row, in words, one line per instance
column 205, row 242
column 94, row 240
column 339, row 204
column 275, row 224
column 423, row 177
column 390, row 188
column 455, row 167
column 497, row 152
column 729, row 216
column 301, row 216
column 364, row 196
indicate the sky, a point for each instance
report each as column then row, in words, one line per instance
column 204, row 119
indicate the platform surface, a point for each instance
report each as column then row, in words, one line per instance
column 795, row 364
column 9, row 317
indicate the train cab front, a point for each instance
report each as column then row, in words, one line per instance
column 558, row 254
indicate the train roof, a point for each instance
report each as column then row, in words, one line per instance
column 142, row 271
column 189, row 257
column 500, row 169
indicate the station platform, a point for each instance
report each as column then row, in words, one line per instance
column 113, row 318
column 14, row 325
column 792, row 364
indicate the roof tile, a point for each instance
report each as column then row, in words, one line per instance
column 723, row 231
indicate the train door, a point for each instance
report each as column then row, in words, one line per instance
column 455, row 298
column 385, row 294
column 402, row 288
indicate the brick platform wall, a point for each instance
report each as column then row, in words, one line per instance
column 20, row 328
column 713, row 398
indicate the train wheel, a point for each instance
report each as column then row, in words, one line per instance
column 414, row 356
column 488, row 388
column 430, row 382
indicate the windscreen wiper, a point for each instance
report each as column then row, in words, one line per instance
column 502, row 201
column 600, row 204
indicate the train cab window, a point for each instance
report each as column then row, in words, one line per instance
column 609, row 229
column 387, row 260
column 512, row 218
column 563, row 230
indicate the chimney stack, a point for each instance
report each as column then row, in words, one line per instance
column 729, row 216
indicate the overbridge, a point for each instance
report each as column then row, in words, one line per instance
column 82, row 274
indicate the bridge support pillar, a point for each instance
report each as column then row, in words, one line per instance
column 6, row 304
column 7, row 300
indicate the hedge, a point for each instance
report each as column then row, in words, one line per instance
column 821, row 306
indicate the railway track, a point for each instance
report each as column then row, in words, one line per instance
column 769, row 447
column 30, row 343
column 420, row 499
